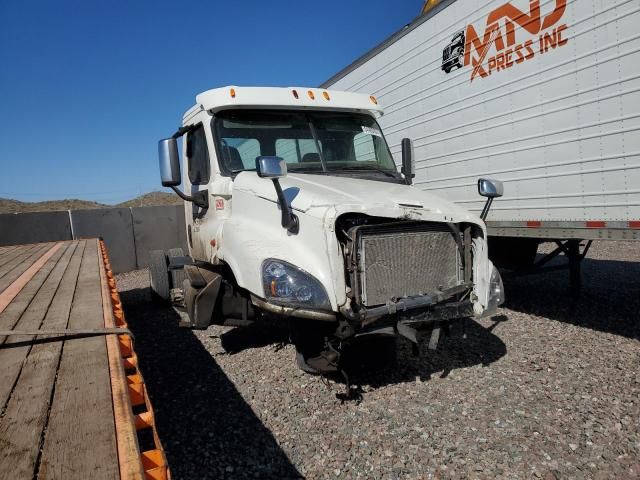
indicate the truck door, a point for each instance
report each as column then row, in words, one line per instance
column 198, row 172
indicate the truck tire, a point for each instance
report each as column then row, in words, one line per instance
column 177, row 276
column 159, row 275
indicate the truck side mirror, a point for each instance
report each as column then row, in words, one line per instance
column 169, row 162
column 490, row 189
column 170, row 172
column 276, row 168
column 407, row 161
column 271, row 167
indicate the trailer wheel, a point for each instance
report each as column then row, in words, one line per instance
column 159, row 275
column 513, row 253
column 177, row 276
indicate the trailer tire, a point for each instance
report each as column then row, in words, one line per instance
column 513, row 253
column 177, row 276
column 159, row 275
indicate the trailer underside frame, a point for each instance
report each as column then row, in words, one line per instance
column 566, row 230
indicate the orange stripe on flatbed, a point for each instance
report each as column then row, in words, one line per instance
column 18, row 284
column 128, row 453
column 534, row 224
column 128, row 390
column 634, row 224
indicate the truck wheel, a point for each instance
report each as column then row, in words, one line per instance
column 177, row 276
column 159, row 275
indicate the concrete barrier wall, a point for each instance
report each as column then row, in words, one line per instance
column 115, row 227
column 157, row 228
column 128, row 233
column 34, row 227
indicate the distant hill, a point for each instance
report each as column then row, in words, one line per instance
column 8, row 205
column 15, row 206
column 152, row 198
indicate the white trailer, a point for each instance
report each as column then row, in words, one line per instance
column 543, row 95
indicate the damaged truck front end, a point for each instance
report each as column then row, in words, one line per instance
column 296, row 209
column 407, row 278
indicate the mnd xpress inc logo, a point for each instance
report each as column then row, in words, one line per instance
column 510, row 37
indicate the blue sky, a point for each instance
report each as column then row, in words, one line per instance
column 87, row 88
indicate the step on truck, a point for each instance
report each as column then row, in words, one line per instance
column 542, row 95
column 295, row 210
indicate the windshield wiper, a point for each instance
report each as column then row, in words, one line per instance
column 363, row 168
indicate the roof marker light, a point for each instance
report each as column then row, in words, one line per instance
column 326, row 95
column 311, row 95
column 295, row 94
column 373, row 99
column 232, row 92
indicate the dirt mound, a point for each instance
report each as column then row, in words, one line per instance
column 8, row 205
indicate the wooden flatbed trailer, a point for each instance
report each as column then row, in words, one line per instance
column 73, row 404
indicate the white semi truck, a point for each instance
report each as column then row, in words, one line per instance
column 295, row 209
column 541, row 94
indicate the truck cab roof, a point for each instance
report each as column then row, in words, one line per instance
column 282, row 98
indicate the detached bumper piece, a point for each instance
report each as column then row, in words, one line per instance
column 403, row 306
column 410, row 325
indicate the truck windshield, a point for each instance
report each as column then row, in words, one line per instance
column 307, row 141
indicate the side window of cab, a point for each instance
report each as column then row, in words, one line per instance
column 198, row 156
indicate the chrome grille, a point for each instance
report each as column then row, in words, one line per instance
column 405, row 261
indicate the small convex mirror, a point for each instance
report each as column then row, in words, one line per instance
column 490, row 188
column 169, row 162
column 271, row 167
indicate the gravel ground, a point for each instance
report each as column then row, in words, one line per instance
column 549, row 388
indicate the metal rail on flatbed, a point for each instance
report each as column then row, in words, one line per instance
column 73, row 404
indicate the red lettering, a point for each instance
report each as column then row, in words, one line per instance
column 491, row 35
column 507, row 58
column 531, row 23
column 554, row 16
column 561, row 41
column 478, row 47
column 511, row 33
column 519, row 54
column 528, row 45
column 550, row 41
column 472, row 40
column 491, row 64
column 541, row 44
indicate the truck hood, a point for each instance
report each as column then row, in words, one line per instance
column 315, row 194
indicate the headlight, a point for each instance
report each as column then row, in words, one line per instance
column 287, row 285
column 496, row 291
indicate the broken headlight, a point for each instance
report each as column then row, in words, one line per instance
column 496, row 291
column 287, row 285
